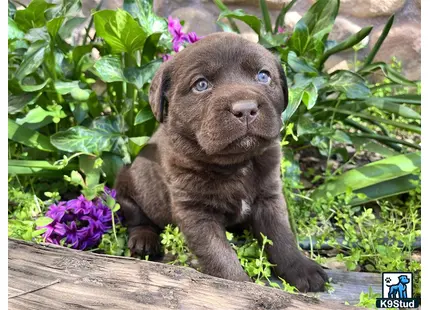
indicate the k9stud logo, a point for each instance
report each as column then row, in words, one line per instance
column 397, row 291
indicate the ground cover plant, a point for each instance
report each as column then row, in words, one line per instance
column 78, row 110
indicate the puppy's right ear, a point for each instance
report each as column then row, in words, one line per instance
column 157, row 91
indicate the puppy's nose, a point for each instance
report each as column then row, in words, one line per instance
column 245, row 110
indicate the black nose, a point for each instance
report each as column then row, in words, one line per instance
column 245, row 110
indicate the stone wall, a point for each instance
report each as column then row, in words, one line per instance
column 403, row 41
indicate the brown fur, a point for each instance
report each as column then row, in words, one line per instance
column 207, row 171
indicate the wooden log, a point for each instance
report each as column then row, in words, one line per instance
column 54, row 277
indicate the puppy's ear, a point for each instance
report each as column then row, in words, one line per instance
column 157, row 92
column 284, row 84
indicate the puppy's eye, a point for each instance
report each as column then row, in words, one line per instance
column 263, row 77
column 201, row 85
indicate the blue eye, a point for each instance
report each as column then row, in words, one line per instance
column 263, row 77
column 201, row 85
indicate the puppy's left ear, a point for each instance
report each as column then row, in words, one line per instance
column 284, row 84
column 157, row 91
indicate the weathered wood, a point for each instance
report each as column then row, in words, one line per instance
column 53, row 277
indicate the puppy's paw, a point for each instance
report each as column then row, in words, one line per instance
column 143, row 241
column 305, row 275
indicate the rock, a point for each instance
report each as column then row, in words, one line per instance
column 198, row 20
column 272, row 4
column 334, row 63
column 370, row 8
column 343, row 28
column 403, row 42
column 250, row 35
column 291, row 19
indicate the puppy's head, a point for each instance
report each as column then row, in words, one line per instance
column 224, row 93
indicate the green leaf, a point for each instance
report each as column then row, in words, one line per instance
column 13, row 30
column 144, row 115
column 350, row 83
column 38, row 114
column 109, row 69
column 32, row 61
column 80, row 94
column 319, row 19
column 144, row 12
column 266, row 16
column 29, row 137
column 251, row 20
column 67, row 28
column 17, row 102
column 141, row 76
column 111, row 165
column 104, row 134
column 64, row 88
column 300, row 65
column 86, row 165
column 34, row 88
column 281, row 17
column 347, row 43
column 43, row 221
column 119, row 30
column 33, row 16
column 310, row 95
column 54, row 26
column 39, row 164
column 386, row 189
column 389, row 72
column 371, row 174
column 150, row 47
column 303, row 43
column 392, row 107
column 37, row 34
column 375, row 49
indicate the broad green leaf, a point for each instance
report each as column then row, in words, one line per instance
column 251, row 20
column 375, row 49
column 33, row 16
column 299, row 65
column 319, row 19
column 119, row 30
column 144, row 12
column 295, row 96
column 17, row 102
column 144, row 115
column 37, row 34
column 109, row 69
column 409, row 98
column 150, row 47
column 80, row 94
column 310, row 95
column 392, row 107
column 140, row 76
column 140, row 141
column 374, row 147
column 104, row 134
column 111, row 165
column 67, row 28
column 371, row 174
column 386, row 189
column 92, row 174
column 54, row 25
column 303, row 43
column 345, row 44
column 33, row 59
column 40, row 164
column 38, row 114
column 349, row 83
column 135, row 144
column 13, row 30
column 28, row 137
column 64, row 88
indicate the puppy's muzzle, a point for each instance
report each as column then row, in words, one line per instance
column 246, row 111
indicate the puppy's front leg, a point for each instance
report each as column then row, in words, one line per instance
column 206, row 238
column 270, row 217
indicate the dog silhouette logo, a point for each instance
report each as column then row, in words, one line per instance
column 397, row 291
column 400, row 289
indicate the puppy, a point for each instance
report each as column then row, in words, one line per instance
column 214, row 162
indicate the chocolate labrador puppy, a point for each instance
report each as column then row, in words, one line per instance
column 214, row 162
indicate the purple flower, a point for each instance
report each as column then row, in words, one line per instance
column 166, row 57
column 192, row 37
column 79, row 223
column 281, row 29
